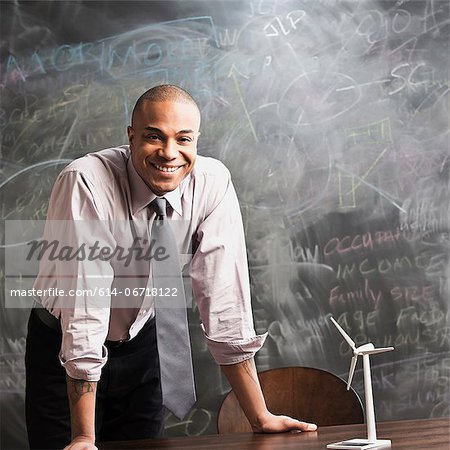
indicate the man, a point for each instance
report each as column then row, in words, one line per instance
column 93, row 368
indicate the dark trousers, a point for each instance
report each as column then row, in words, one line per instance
column 129, row 400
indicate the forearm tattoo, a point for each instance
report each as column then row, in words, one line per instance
column 78, row 388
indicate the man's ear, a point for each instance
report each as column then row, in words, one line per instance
column 130, row 133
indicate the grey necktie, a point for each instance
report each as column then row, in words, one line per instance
column 177, row 376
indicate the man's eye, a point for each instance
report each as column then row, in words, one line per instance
column 184, row 139
column 153, row 137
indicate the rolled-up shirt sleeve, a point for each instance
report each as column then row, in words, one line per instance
column 75, row 221
column 232, row 352
column 220, row 280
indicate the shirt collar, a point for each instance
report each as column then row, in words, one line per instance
column 174, row 199
column 142, row 195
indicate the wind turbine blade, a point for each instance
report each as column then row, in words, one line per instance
column 352, row 370
column 377, row 350
column 344, row 334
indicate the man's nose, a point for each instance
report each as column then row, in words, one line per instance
column 169, row 150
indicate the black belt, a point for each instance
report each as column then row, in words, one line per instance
column 115, row 344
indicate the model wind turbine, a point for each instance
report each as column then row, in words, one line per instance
column 365, row 350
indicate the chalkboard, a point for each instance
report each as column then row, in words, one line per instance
column 332, row 117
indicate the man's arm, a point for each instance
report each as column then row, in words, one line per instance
column 81, row 395
column 221, row 287
column 75, row 221
column 245, row 384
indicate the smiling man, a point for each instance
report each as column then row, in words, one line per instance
column 163, row 138
column 92, row 364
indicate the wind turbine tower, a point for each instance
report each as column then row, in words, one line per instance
column 365, row 351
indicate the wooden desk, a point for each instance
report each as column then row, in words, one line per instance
column 427, row 434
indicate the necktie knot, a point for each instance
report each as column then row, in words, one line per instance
column 159, row 206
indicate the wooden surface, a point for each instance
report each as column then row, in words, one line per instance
column 306, row 393
column 427, row 434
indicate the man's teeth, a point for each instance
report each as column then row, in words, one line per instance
column 167, row 169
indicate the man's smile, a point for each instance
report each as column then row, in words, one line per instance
column 167, row 168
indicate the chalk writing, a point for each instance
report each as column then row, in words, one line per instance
column 332, row 118
column 276, row 27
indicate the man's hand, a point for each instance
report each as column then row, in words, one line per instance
column 270, row 423
column 245, row 384
column 81, row 443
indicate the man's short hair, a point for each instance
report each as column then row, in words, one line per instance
column 165, row 93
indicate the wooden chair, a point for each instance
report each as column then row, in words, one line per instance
column 308, row 394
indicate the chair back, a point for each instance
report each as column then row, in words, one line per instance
column 305, row 393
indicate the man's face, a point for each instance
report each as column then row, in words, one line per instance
column 163, row 142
